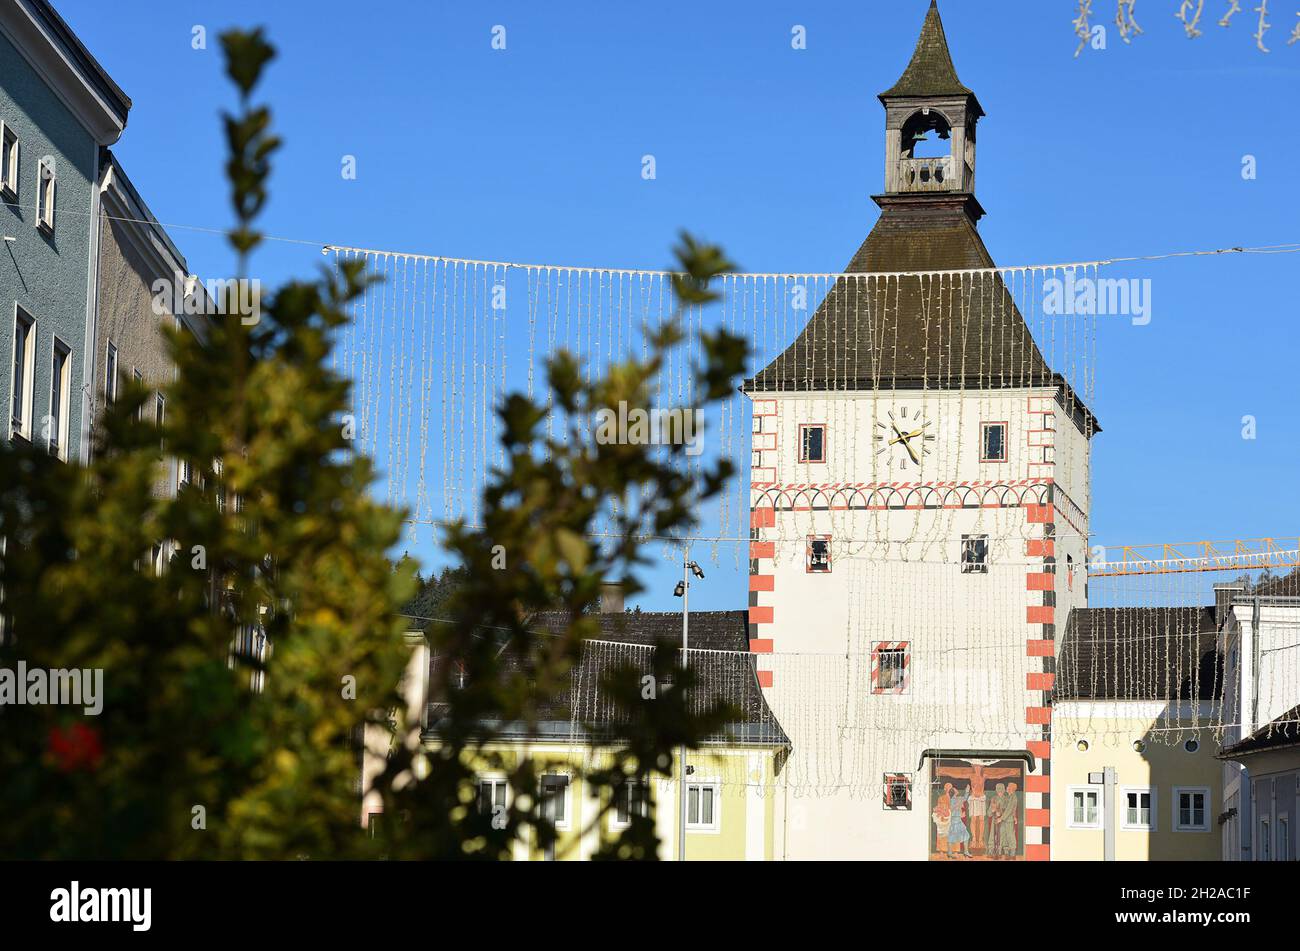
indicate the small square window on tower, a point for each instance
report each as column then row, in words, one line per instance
column 993, row 442
column 898, row 791
column 819, row 554
column 974, row 554
column 812, row 442
column 890, row 667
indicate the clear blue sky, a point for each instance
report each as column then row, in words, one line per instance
column 533, row 154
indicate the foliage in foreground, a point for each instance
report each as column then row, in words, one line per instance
column 282, row 577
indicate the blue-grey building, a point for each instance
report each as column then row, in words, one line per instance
column 58, row 110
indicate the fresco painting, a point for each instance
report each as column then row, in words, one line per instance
column 977, row 810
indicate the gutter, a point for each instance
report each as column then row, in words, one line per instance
column 1025, row 755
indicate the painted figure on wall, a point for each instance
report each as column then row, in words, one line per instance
column 968, row 822
column 1006, row 806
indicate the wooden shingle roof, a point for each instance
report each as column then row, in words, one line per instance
column 930, row 71
column 935, row 331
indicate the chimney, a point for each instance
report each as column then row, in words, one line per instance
column 1223, row 595
column 611, row 597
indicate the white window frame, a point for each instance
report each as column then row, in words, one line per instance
column 566, row 800
column 1282, row 850
column 46, row 191
column 28, row 361
column 1178, row 809
column 1123, row 801
column 625, row 792
column 496, row 779
column 110, row 374
column 715, row 825
column 60, row 390
column 9, row 153
column 1264, row 840
column 1099, row 811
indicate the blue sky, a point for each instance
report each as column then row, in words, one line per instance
column 533, row 154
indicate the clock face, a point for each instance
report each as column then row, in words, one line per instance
column 904, row 438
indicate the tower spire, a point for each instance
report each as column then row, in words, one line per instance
column 929, row 100
column 930, row 71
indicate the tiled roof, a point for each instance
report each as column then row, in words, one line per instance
column 1139, row 653
column 1284, row 731
column 1283, row 586
column 939, row 332
column 726, row 669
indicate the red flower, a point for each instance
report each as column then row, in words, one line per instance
column 76, row 747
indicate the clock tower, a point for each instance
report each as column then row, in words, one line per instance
column 919, row 518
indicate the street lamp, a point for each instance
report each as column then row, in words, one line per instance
column 683, row 591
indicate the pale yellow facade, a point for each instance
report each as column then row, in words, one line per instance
column 1150, row 752
column 740, row 779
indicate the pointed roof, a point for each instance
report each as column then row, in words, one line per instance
column 930, row 73
column 874, row 331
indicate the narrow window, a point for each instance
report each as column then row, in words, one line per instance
column 993, row 442
column 1265, row 854
column 8, row 161
column 24, row 358
column 1191, row 810
column 974, row 554
column 898, row 791
column 1283, row 839
column 889, row 667
column 1084, row 809
column 110, row 376
column 630, row 800
column 701, row 806
column 492, row 797
column 555, row 794
column 812, row 443
column 1139, row 810
column 60, row 373
column 819, row 553
column 45, row 195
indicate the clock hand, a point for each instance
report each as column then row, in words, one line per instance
column 906, row 445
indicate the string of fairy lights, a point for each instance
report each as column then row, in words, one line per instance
column 881, row 362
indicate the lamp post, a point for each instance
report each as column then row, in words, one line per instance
column 683, row 591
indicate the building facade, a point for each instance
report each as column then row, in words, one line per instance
column 919, row 509
column 1136, row 706
column 731, row 793
column 58, row 109
column 140, row 276
column 1261, row 755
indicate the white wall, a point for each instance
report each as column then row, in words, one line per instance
column 896, row 576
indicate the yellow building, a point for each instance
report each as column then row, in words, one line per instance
column 730, row 801
column 731, row 780
column 1134, row 695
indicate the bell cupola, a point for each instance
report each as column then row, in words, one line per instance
column 930, row 121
